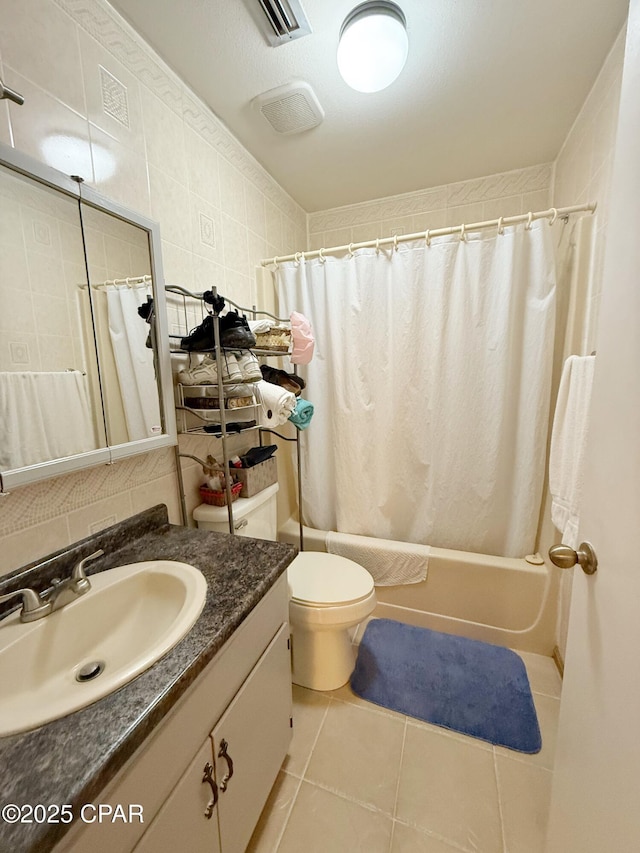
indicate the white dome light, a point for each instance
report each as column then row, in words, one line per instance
column 373, row 46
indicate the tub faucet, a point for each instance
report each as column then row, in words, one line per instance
column 36, row 605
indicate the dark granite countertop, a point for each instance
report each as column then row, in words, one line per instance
column 72, row 759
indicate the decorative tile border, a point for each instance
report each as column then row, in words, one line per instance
column 24, row 507
column 104, row 24
column 516, row 182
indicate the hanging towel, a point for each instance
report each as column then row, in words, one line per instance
column 43, row 416
column 276, row 404
column 389, row 563
column 568, row 442
column 302, row 414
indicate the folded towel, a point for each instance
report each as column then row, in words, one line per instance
column 259, row 327
column 276, row 404
column 303, row 413
column 389, row 563
column 568, row 442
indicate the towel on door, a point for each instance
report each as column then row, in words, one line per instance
column 389, row 562
column 568, row 442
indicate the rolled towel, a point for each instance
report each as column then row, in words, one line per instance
column 303, row 413
column 276, row 404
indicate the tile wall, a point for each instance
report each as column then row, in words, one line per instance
column 99, row 102
column 505, row 194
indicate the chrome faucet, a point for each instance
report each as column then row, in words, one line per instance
column 37, row 605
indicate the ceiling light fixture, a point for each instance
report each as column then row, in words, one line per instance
column 373, row 46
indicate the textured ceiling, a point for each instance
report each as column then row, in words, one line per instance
column 489, row 85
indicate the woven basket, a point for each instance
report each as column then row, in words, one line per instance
column 277, row 340
column 209, row 496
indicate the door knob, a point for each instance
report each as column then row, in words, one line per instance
column 565, row 557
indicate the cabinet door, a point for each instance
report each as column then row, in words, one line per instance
column 188, row 819
column 250, row 743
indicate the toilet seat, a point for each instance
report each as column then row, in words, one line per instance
column 318, row 579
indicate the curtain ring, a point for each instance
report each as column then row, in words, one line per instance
column 427, row 237
column 350, row 250
column 501, row 225
column 529, row 221
column 377, row 245
column 323, row 260
column 275, row 263
column 463, row 239
column 554, row 216
column 395, row 242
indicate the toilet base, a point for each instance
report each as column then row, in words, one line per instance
column 322, row 660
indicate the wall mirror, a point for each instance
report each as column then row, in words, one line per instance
column 85, row 376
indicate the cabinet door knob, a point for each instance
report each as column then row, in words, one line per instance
column 222, row 753
column 208, row 777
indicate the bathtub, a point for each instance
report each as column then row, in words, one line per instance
column 501, row 600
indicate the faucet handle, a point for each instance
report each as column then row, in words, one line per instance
column 79, row 581
column 33, row 607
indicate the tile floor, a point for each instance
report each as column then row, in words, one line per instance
column 361, row 778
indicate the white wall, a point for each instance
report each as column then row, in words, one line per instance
column 583, row 173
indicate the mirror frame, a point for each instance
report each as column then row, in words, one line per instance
column 22, row 164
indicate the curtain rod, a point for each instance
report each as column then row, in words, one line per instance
column 552, row 214
column 132, row 281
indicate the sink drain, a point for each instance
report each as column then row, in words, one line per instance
column 90, row 670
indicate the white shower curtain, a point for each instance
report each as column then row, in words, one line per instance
column 431, row 385
column 134, row 361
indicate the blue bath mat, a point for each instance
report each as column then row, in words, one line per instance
column 465, row 685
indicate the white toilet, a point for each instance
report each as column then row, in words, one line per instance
column 329, row 594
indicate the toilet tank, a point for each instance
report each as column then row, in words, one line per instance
column 255, row 516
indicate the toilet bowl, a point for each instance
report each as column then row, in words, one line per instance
column 328, row 594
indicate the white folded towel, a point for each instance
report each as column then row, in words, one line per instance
column 276, row 404
column 568, row 442
column 259, row 327
column 389, row 563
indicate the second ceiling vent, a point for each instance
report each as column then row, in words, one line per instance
column 281, row 21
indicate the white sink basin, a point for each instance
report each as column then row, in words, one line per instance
column 129, row 619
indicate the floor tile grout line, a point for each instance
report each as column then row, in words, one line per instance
column 286, row 820
column 348, row 798
column 499, row 793
column 395, row 799
column 315, row 740
column 430, row 834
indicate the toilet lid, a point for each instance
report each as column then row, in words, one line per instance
column 317, row 578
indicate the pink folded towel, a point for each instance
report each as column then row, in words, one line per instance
column 302, row 338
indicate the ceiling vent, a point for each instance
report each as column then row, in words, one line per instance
column 291, row 108
column 281, row 21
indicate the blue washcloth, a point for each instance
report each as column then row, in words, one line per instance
column 302, row 414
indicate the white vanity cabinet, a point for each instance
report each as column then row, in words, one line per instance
column 203, row 776
column 227, row 784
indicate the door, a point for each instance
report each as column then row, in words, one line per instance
column 188, row 819
column 595, row 802
column 250, row 742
